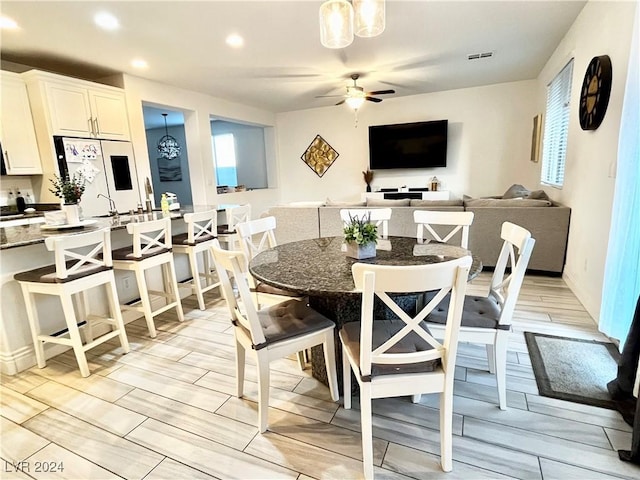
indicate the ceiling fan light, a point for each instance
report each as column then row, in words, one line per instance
column 336, row 24
column 355, row 102
column 369, row 17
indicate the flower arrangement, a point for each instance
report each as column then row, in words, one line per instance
column 69, row 189
column 368, row 178
column 360, row 230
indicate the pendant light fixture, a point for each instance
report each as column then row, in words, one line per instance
column 168, row 147
column 340, row 18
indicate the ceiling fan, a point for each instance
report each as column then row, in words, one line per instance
column 356, row 95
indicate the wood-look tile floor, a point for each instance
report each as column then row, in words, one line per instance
column 167, row 410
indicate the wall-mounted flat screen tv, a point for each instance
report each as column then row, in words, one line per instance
column 408, row 145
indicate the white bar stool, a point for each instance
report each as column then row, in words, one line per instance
column 201, row 232
column 151, row 248
column 69, row 278
column 227, row 232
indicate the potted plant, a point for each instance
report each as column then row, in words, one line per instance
column 360, row 236
column 368, row 178
column 70, row 190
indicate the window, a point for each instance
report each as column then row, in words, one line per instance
column 240, row 154
column 556, row 127
column 224, row 153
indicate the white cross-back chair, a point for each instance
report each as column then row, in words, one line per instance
column 459, row 221
column 392, row 358
column 196, row 243
column 487, row 320
column 272, row 332
column 235, row 214
column 379, row 216
column 82, row 262
column 256, row 236
column 151, row 247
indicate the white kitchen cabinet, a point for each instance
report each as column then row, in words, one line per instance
column 17, row 134
column 77, row 108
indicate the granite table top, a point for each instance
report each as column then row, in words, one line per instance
column 21, row 235
column 319, row 267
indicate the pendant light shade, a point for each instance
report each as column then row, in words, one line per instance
column 336, row 24
column 168, row 147
column 355, row 102
column 369, row 17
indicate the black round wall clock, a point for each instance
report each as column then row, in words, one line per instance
column 594, row 95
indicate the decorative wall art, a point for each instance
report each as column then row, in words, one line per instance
column 535, row 138
column 319, row 156
column 169, row 169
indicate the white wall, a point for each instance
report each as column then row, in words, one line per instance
column 198, row 108
column 488, row 148
column 602, row 28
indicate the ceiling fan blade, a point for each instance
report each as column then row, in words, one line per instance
column 381, row 92
column 327, row 96
column 373, row 99
column 340, row 102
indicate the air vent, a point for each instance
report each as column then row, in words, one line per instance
column 478, row 56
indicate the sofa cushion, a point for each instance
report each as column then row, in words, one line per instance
column 513, row 202
column 516, row 191
column 436, row 203
column 538, row 195
column 373, row 202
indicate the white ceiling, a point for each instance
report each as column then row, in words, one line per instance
column 283, row 66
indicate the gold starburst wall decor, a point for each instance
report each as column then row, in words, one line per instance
column 319, row 155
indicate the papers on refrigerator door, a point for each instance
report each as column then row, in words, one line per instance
column 79, row 150
column 88, row 170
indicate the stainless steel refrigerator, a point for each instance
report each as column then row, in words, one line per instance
column 109, row 169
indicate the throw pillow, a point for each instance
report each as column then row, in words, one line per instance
column 538, row 195
column 373, row 202
column 515, row 191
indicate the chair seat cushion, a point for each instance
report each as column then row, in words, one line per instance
column 478, row 312
column 382, row 331
column 126, row 253
column 48, row 274
column 289, row 319
column 183, row 239
column 268, row 289
column 224, row 230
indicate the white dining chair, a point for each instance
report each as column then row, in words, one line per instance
column 195, row 244
column 227, row 231
column 458, row 221
column 256, row 236
column 379, row 216
column 392, row 358
column 272, row 332
column 487, row 319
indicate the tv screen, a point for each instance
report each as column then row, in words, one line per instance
column 408, row 145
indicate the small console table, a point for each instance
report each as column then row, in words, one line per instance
column 411, row 193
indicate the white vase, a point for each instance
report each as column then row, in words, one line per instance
column 360, row 252
column 72, row 212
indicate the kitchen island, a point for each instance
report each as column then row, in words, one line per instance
column 22, row 248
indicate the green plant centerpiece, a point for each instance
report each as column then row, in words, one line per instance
column 68, row 189
column 360, row 236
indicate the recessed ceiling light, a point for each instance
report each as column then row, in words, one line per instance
column 7, row 23
column 234, row 40
column 139, row 63
column 106, row 20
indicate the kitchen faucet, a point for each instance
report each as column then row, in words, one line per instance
column 112, row 205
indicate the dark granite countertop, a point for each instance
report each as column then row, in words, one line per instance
column 21, row 235
column 320, row 267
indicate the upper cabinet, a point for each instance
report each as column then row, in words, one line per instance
column 76, row 108
column 17, row 134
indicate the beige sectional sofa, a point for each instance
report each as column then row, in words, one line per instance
column 549, row 224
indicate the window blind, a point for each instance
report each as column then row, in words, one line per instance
column 556, row 127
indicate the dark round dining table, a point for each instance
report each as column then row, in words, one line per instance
column 320, row 269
